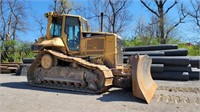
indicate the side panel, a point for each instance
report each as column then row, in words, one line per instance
column 92, row 46
column 110, row 54
column 95, row 46
column 100, row 46
column 119, row 52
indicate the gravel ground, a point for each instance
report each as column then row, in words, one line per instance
column 17, row 96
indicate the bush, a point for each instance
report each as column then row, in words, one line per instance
column 193, row 50
column 14, row 51
column 138, row 41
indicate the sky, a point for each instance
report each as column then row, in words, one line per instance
column 39, row 7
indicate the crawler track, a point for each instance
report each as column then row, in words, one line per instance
column 104, row 74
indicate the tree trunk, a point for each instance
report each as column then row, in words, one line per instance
column 9, row 27
column 14, row 31
column 161, row 26
column 162, row 32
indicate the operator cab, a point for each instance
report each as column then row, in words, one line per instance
column 72, row 26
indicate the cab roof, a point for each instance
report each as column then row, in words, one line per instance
column 57, row 14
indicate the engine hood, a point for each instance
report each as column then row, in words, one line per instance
column 54, row 42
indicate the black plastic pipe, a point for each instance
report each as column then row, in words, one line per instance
column 151, row 48
column 157, row 68
column 178, row 76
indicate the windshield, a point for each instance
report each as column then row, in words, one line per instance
column 56, row 27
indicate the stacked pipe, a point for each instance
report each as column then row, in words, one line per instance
column 8, row 67
column 168, row 62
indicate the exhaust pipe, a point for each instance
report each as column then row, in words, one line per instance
column 101, row 30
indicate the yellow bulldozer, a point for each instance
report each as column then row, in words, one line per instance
column 71, row 57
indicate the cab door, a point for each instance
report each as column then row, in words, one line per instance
column 72, row 30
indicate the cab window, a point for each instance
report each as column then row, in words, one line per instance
column 84, row 26
column 73, row 32
column 56, row 27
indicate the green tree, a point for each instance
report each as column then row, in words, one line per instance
column 15, row 51
column 8, row 50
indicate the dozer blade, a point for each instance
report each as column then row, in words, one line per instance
column 143, row 85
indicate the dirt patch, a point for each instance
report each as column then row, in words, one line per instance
column 179, row 89
column 175, row 99
column 171, row 92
